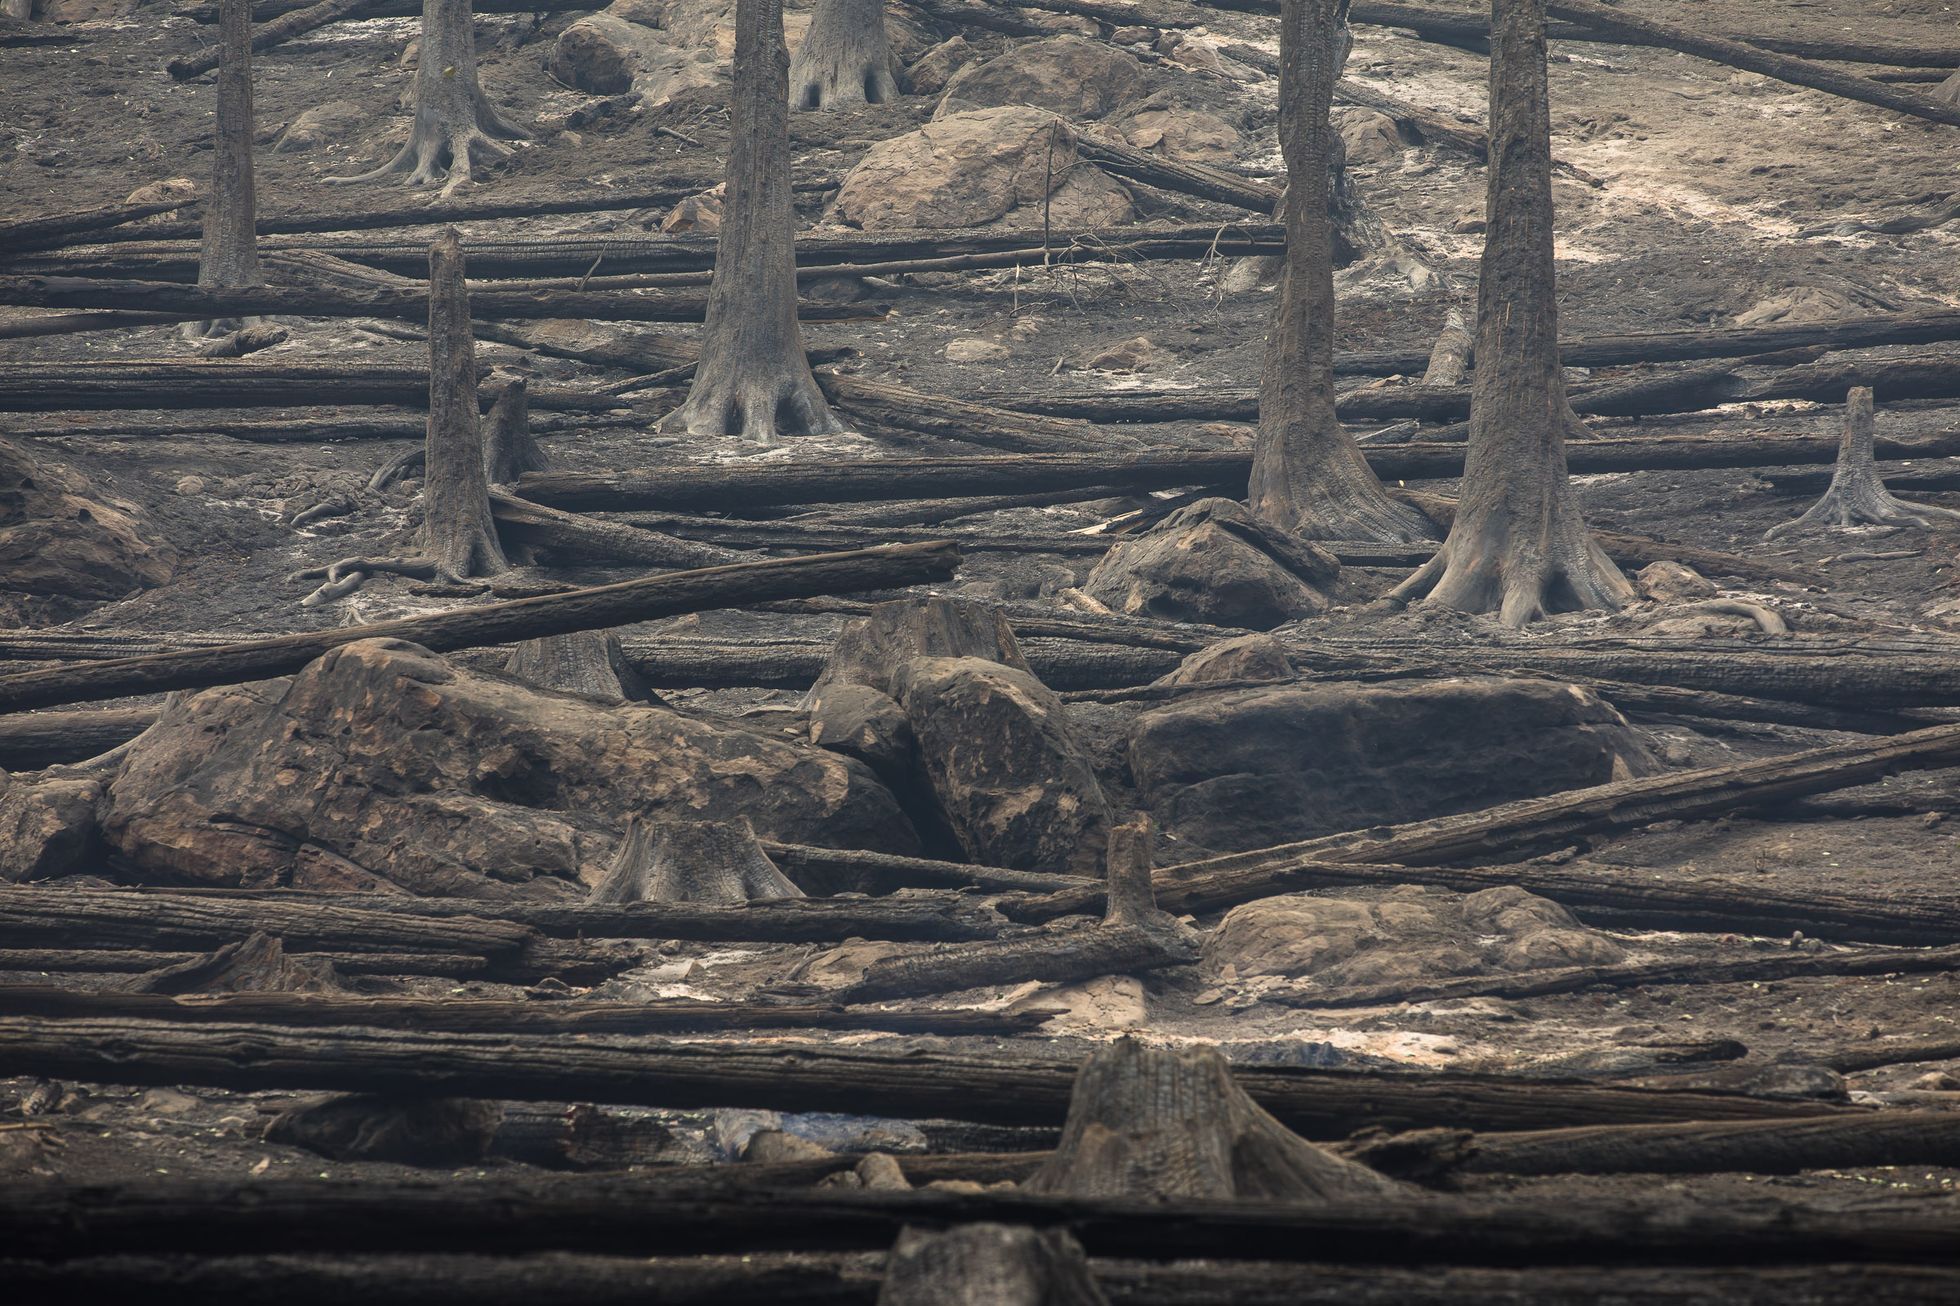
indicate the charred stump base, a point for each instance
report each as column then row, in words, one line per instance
column 456, row 127
column 1165, row 1125
column 759, row 386
column 589, row 663
column 988, row 1265
column 1857, row 495
column 706, row 862
column 845, row 59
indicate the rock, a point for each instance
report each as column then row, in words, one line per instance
column 1108, row 1003
column 59, row 538
column 1673, row 582
column 972, row 349
column 1134, row 36
column 1948, row 91
column 1253, row 272
column 181, row 189
column 864, row 723
column 381, row 765
column 697, row 214
column 1810, row 304
column 1193, row 566
column 1186, row 135
column 1258, row 767
column 1077, row 78
column 1368, row 135
column 1411, row 933
column 930, row 73
column 1007, row 777
column 1249, row 657
column 607, row 54
column 323, row 124
column 1188, row 51
column 47, row 824
column 1137, row 354
column 969, row 169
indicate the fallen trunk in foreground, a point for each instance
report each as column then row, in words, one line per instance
column 597, row 608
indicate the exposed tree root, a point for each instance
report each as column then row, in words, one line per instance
column 753, row 396
column 845, row 59
column 1522, row 577
column 1857, row 495
column 692, row 861
column 456, row 127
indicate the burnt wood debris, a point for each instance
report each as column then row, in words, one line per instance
column 1070, row 653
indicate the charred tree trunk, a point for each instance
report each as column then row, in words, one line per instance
column 1857, row 495
column 1164, row 1125
column 588, row 662
column 510, row 450
column 456, row 126
column 753, row 378
column 458, row 531
column 692, row 861
column 1519, row 547
column 1308, row 476
column 845, row 59
column 229, row 258
column 988, row 1265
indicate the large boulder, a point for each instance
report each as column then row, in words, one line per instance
column 381, row 765
column 47, row 823
column 1068, row 75
column 1404, row 934
column 59, row 538
column 607, row 54
column 1257, row 767
column 1209, row 562
column 970, row 169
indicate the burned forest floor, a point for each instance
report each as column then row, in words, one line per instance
column 1772, row 942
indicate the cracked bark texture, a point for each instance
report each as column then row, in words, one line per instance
column 753, row 378
column 845, row 59
column 1163, row 1124
column 458, row 533
column 712, row 862
column 1308, row 475
column 456, row 126
column 1519, row 546
column 229, row 256
column 1857, row 495
column 988, row 1265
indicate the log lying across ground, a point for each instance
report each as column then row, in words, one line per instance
column 43, row 233
column 31, row 741
column 696, row 486
column 161, row 921
column 912, row 1084
column 497, row 1016
column 231, row 383
column 1557, row 820
column 597, row 608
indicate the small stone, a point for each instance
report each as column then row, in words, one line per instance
column 1666, row 582
column 1137, row 354
column 190, row 485
column 971, row 349
column 1134, row 36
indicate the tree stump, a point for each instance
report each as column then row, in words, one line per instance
column 1857, row 495
column 229, row 256
column 988, row 1265
column 709, row 862
column 1165, row 1125
column 845, row 59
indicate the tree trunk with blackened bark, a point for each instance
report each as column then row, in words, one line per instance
column 1308, row 476
column 753, row 378
column 229, row 258
column 692, row 861
column 845, row 59
column 1165, row 1125
column 456, row 126
column 1519, row 547
column 1857, row 495
column 458, row 531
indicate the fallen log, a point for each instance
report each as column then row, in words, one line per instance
column 1852, row 1060
column 231, row 383
column 276, row 32
column 55, row 230
column 1905, row 1138
column 158, row 299
column 30, row 741
column 596, row 608
column 136, row 961
column 959, row 419
column 1511, row 828
column 1700, row 970
column 915, row 1083
column 495, row 1016
column 830, row 870
column 1194, row 179
column 570, row 536
column 1635, row 30
column 302, row 428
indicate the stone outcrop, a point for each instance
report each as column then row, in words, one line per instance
column 1209, row 562
column 1077, row 78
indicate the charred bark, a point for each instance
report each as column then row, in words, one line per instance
column 456, row 127
column 1519, row 547
column 510, row 450
column 258, row 963
column 845, row 59
column 1857, row 495
column 229, row 256
column 589, row 663
column 710, row 862
column 988, row 1265
column 1308, row 476
column 753, row 378
column 1170, row 1125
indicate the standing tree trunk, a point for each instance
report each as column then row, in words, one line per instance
column 1308, row 476
column 845, row 58
column 1519, row 547
column 458, row 532
column 753, row 378
column 455, row 126
column 229, row 259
